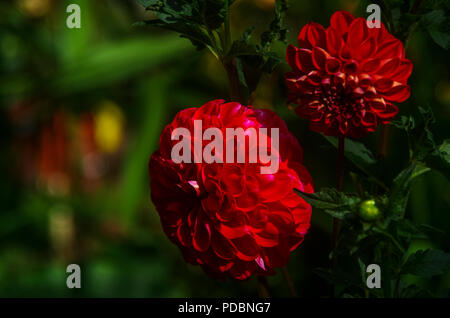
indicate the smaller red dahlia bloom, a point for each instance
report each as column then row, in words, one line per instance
column 228, row 217
column 346, row 78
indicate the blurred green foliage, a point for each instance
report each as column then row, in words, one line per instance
column 64, row 199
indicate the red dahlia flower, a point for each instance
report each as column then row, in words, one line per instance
column 228, row 217
column 346, row 78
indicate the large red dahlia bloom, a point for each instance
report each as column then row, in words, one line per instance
column 228, row 217
column 346, row 78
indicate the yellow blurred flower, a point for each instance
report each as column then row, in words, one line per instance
column 442, row 91
column 349, row 5
column 264, row 4
column 35, row 8
column 109, row 123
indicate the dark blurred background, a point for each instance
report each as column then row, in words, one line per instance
column 81, row 113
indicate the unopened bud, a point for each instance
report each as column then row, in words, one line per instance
column 369, row 211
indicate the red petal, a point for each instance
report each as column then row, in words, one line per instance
column 202, row 235
column 333, row 65
column 369, row 120
column 222, row 247
column 343, row 127
column 391, row 49
column 247, row 201
column 350, row 67
column 232, row 232
column 314, row 77
column 366, row 49
column 319, row 57
column 316, row 35
column 302, row 38
column 277, row 256
column 246, row 248
column 242, row 270
column 305, row 60
column 403, row 71
column 370, row 65
column 357, row 33
column 183, row 234
column 291, row 57
column 389, row 67
column 398, row 93
column 340, row 21
column 260, row 263
column 345, row 53
column 365, row 80
column 384, row 85
column 334, row 42
column 389, row 113
column 378, row 105
column 371, row 93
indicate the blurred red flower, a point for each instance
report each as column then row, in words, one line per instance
column 228, row 217
column 346, row 78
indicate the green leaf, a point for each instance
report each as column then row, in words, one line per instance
column 437, row 25
column 325, row 199
column 398, row 196
column 406, row 290
column 336, row 204
column 427, row 263
column 339, row 213
column 148, row 4
column 441, row 37
column 422, row 143
column 380, row 230
column 128, row 58
column 193, row 32
column 360, row 156
column 355, row 151
column 362, row 268
column 272, row 61
column 242, row 80
column 134, row 175
column 440, row 159
column 242, row 47
column 189, row 18
column 436, row 4
column 247, row 34
column 180, row 9
column 214, row 12
column 409, row 231
column 406, row 123
column 276, row 31
column 259, row 58
column 444, row 150
column 338, row 276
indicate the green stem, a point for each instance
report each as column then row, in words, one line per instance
column 384, row 143
column 289, row 281
column 263, row 287
column 397, row 285
column 386, row 130
column 227, row 29
column 340, row 163
column 233, row 80
column 339, row 187
column 416, row 6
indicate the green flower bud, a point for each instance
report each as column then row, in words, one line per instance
column 369, row 211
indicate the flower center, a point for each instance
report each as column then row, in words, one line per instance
column 340, row 98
